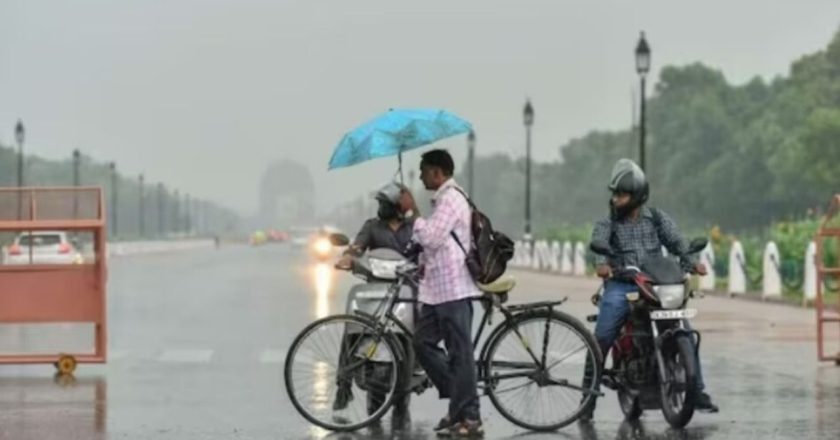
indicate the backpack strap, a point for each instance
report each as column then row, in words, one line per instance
column 469, row 200
column 472, row 207
column 457, row 240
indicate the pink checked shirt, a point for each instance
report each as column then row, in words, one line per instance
column 446, row 276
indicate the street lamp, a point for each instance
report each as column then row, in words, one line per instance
column 642, row 67
column 160, row 207
column 528, row 117
column 77, row 156
column 20, row 137
column 141, row 221
column 189, row 205
column 471, row 163
column 113, row 167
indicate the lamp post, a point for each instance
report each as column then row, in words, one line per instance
column 471, row 163
column 528, row 118
column 20, row 137
column 188, row 219
column 114, row 199
column 642, row 67
column 160, row 213
column 141, row 220
column 77, row 158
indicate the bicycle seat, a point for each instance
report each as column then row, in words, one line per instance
column 504, row 284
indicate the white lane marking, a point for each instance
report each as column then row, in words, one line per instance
column 186, row 356
column 273, row 356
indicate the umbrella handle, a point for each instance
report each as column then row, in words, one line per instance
column 399, row 168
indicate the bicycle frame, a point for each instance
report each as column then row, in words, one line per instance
column 383, row 317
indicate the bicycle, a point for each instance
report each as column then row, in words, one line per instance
column 521, row 368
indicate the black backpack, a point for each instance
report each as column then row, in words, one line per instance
column 490, row 250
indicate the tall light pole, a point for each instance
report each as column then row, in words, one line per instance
column 141, row 220
column 20, row 137
column 528, row 118
column 176, row 212
column 160, row 213
column 77, row 159
column 471, row 163
column 189, row 205
column 642, row 67
column 114, row 199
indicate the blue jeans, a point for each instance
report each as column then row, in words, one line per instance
column 612, row 314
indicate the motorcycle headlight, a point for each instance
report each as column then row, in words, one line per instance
column 323, row 246
column 384, row 269
column 670, row 296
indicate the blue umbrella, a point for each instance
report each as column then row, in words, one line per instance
column 394, row 132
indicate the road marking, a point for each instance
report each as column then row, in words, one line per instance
column 186, row 356
column 273, row 356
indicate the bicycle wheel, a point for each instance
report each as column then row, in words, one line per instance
column 535, row 369
column 333, row 366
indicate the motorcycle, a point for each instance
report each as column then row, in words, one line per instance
column 655, row 359
column 378, row 269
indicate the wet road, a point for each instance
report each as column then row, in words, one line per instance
column 197, row 342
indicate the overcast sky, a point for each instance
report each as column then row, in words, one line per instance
column 202, row 94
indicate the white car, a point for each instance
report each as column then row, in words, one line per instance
column 47, row 247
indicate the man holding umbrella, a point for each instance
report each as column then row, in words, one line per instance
column 446, row 293
column 447, row 288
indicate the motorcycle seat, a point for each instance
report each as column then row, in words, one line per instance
column 504, row 284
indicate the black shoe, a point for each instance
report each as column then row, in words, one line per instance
column 468, row 429
column 704, row 403
column 343, row 397
column 444, row 426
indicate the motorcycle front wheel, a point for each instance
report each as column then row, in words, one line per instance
column 679, row 391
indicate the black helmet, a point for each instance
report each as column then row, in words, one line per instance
column 389, row 201
column 628, row 178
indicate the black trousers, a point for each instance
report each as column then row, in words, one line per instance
column 452, row 371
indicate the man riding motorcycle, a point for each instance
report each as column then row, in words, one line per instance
column 390, row 229
column 635, row 232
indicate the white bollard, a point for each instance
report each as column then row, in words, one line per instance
column 809, row 285
column 542, row 255
column 737, row 277
column 566, row 259
column 772, row 279
column 707, row 257
column 580, row 260
column 556, row 255
column 518, row 251
column 527, row 254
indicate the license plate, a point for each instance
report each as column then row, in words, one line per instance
column 673, row 314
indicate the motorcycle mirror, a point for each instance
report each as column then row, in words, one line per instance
column 339, row 239
column 601, row 248
column 697, row 245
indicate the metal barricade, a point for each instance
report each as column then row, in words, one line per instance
column 34, row 291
